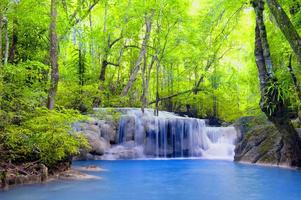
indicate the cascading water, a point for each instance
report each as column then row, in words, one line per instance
column 143, row 135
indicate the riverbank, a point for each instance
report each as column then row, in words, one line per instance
column 34, row 173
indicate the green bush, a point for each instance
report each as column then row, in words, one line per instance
column 44, row 136
column 22, row 89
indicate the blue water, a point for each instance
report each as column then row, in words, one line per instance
column 170, row 180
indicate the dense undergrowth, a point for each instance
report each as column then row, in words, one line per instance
column 29, row 132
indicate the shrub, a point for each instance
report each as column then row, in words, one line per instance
column 44, row 136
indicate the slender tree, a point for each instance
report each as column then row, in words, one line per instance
column 1, row 26
column 286, row 26
column 148, row 26
column 53, row 57
column 6, row 43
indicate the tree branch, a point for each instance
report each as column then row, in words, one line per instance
column 175, row 95
column 114, row 42
column 74, row 21
column 114, row 64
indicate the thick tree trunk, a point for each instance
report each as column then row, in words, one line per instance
column 53, row 57
column 263, row 36
column 260, row 63
column 286, row 26
column 148, row 24
column 278, row 112
column 105, row 62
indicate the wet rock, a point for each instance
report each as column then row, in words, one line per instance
column 76, row 175
column 99, row 145
column 92, row 128
column 126, row 151
column 261, row 142
column 108, row 130
column 90, row 168
column 44, row 172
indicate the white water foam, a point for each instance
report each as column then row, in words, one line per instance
column 143, row 135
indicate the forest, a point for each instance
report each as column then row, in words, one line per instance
column 219, row 60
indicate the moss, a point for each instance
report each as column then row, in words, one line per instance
column 247, row 124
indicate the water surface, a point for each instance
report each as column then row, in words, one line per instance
column 170, row 180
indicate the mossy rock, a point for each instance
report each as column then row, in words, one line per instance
column 246, row 124
column 261, row 142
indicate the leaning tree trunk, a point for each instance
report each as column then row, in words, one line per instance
column 286, row 26
column 275, row 109
column 53, row 57
column 148, row 24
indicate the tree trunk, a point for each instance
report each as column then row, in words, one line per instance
column 144, row 86
column 263, row 36
column 148, row 24
column 105, row 62
column 1, row 25
column 286, row 26
column 278, row 113
column 13, row 47
column 6, row 43
column 81, row 65
column 53, row 57
column 157, row 90
column 294, row 78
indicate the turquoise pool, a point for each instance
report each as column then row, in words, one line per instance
column 170, row 180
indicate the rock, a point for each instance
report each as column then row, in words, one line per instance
column 90, row 168
column 99, row 145
column 127, row 151
column 108, row 130
column 44, row 172
column 100, row 135
column 259, row 146
column 261, row 143
column 92, row 128
column 76, row 175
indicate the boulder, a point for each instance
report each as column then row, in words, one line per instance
column 261, row 142
column 98, row 144
column 92, row 128
column 108, row 130
column 260, row 145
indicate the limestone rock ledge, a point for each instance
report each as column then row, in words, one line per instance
column 14, row 176
column 260, row 143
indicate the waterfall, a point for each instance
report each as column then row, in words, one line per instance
column 143, row 135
